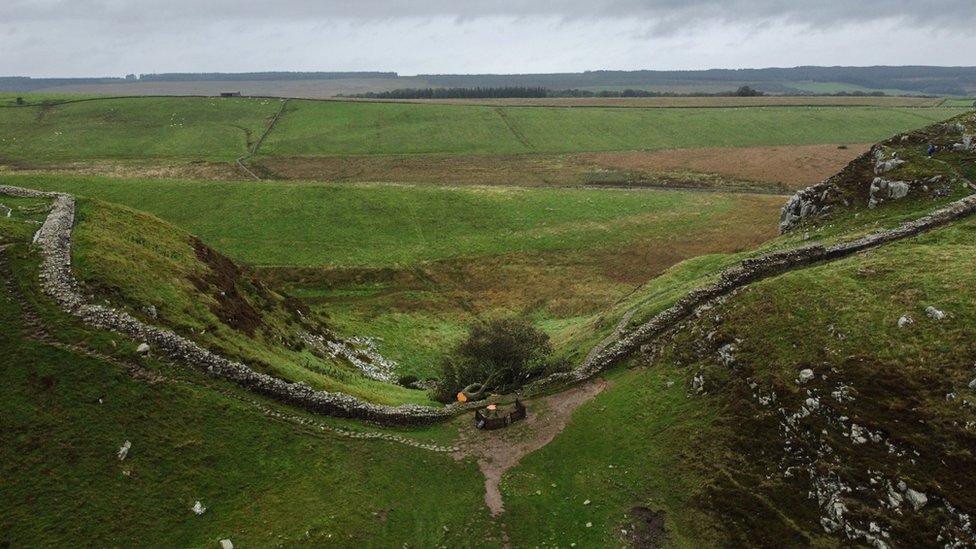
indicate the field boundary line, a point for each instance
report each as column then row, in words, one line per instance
column 57, row 281
column 257, row 144
column 500, row 111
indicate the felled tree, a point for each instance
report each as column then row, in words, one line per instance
column 499, row 355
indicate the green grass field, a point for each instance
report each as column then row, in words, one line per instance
column 415, row 265
column 220, row 130
column 621, row 449
column 114, row 257
column 338, row 128
column 308, row 224
column 961, row 103
column 135, row 128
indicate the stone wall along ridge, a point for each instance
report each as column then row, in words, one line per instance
column 59, row 283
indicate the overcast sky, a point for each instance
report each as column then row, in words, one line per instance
column 114, row 37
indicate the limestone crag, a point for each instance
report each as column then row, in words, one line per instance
column 871, row 179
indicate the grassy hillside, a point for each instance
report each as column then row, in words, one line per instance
column 167, row 277
column 71, row 399
column 414, row 266
column 136, row 128
column 719, row 441
column 342, row 128
column 713, row 440
column 220, row 130
column 840, row 320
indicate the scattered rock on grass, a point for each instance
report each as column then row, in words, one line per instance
column 725, row 354
column 199, row 509
column 124, row 450
column 916, row 498
column 905, row 320
column 226, row 544
column 143, row 349
column 934, row 313
column 806, row 375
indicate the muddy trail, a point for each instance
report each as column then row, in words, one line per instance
column 499, row 450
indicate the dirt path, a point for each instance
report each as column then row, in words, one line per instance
column 500, row 450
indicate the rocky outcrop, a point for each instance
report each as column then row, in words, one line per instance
column 883, row 191
column 869, row 180
column 58, row 282
column 360, row 352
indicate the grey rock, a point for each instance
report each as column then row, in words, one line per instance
column 915, row 498
column 226, row 544
column 124, row 450
column 143, row 349
column 805, row 375
column 934, row 313
column 725, row 354
column 883, row 190
column 887, row 165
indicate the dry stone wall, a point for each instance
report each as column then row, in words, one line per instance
column 748, row 271
column 58, row 282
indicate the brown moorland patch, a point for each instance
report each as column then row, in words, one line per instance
column 774, row 169
column 794, row 166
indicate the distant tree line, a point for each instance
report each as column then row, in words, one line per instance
column 919, row 79
column 258, row 76
column 480, row 92
column 742, row 91
column 457, row 93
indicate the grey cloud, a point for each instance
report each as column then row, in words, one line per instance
column 86, row 37
column 662, row 13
